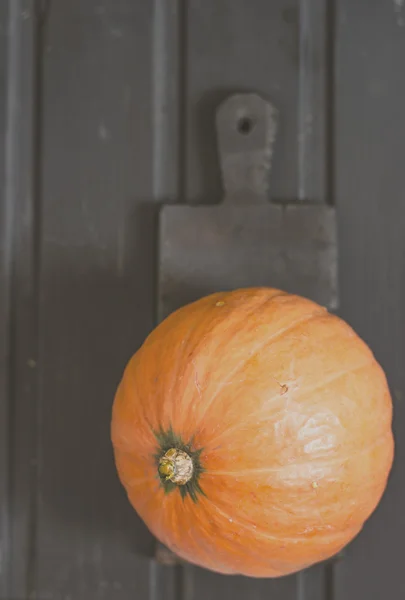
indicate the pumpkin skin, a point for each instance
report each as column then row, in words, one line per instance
column 285, row 416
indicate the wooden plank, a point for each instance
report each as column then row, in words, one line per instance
column 167, row 582
column 5, row 308
column 276, row 49
column 169, row 35
column 316, row 583
column 201, row 584
column 21, row 197
column 105, row 133
column 370, row 183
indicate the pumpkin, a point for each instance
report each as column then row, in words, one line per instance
column 252, row 432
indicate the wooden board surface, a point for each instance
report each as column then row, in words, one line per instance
column 106, row 110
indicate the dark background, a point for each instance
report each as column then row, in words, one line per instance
column 106, row 111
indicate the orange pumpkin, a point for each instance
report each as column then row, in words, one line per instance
column 252, row 432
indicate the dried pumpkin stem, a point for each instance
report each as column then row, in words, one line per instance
column 176, row 466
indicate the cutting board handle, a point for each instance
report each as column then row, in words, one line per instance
column 246, row 129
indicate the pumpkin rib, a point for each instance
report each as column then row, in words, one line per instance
column 188, row 355
column 213, row 530
column 204, row 547
column 178, row 522
column 302, row 391
column 137, row 481
column 181, row 355
column 199, row 322
column 267, row 536
column 171, row 322
column 137, row 405
column 232, row 544
column 119, row 439
column 239, row 365
column 325, row 462
column 263, row 344
column 367, row 485
column 179, row 525
column 308, row 390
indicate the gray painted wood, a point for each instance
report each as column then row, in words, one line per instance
column 96, row 289
column 108, row 108
column 22, row 211
column 202, row 584
column 5, row 308
column 82, row 170
column 276, row 49
column 370, row 183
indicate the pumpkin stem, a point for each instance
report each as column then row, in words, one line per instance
column 176, row 466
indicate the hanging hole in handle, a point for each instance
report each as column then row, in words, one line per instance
column 245, row 125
